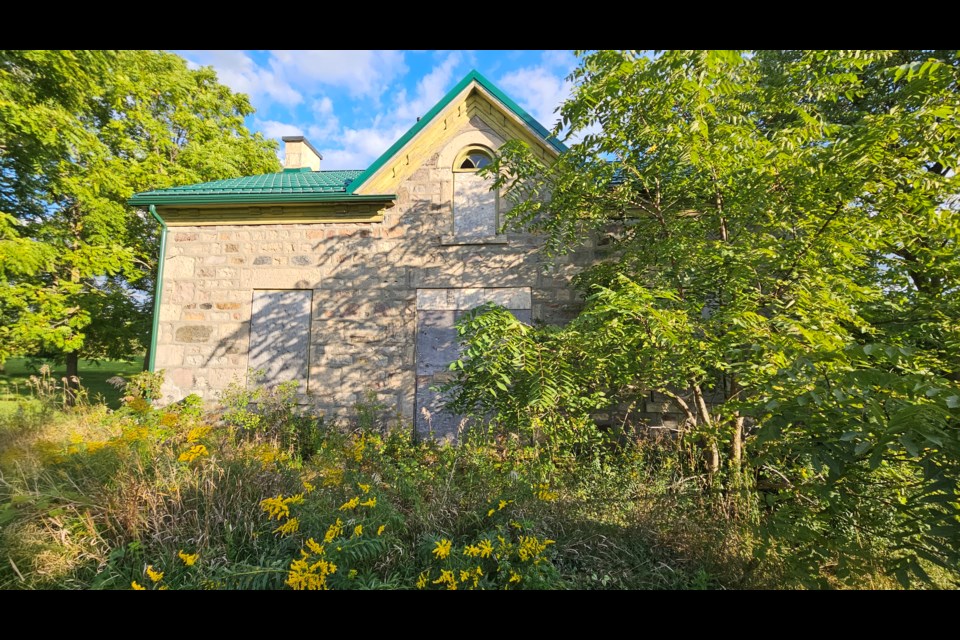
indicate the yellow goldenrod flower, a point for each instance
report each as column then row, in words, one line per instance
column 164, row 587
column 421, row 579
column 350, row 504
column 194, row 452
column 275, row 507
column 289, row 527
column 314, row 547
column 156, row 576
column 531, row 548
column 364, row 487
column 503, row 503
column 197, row 433
column 447, row 578
column 486, row 548
column 308, row 487
column 306, row 576
column 442, row 549
column 380, row 529
column 358, row 530
column 542, row 491
column 514, row 576
column 471, row 550
column 294, row 499
column 372, row 502
column 189, row 559
column 136, row 586
column 352, row 574
column 333, row 531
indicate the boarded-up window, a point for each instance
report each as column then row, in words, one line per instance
column 280, row 335
column 474, row 206
column 438, row 345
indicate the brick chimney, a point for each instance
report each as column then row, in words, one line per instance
column 299, row 153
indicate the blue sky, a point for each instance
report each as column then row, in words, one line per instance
column 354, row 104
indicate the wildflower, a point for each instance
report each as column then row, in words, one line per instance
column 333, row 531
column 380, row 529
column 514, row 576
column 503, row 503
column 308, row 487
column 421, row 579
column 531, row 548
column 189, row 559
column 350, row 504
column 447, row 578
column 486, row 548
column 306, row 576
column 156, row 576
column 491, row 512
column 364, row 487
column 352, row 574
column 372, row 502
column 194, row 452
column 543, row 493
column 164, row 587
column 314, row 547
column 358, row 530
column 294, row 499
column 290, row 526
column 275, row 507
column 197, row 433
column 136, row 586
column 442, row 549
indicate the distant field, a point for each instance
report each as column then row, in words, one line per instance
column 93, row 377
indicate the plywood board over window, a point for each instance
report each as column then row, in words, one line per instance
column 280, row 335
column 438, row 345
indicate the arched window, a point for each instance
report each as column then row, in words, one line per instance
column 474, row 204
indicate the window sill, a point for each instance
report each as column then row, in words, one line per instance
column 467, row 240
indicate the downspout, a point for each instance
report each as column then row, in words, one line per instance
column 158, row 290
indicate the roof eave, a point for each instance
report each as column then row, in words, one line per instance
column 146, row 199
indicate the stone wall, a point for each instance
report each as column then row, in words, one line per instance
column 364, row 279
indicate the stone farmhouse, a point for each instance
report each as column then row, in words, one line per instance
column 350, row 282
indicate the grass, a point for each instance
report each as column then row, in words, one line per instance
column 16, row 372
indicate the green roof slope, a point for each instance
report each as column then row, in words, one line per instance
column 291, row 183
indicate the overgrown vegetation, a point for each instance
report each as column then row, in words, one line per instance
column 228, row 499
column 784, row 259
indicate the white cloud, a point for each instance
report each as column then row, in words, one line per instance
column 563, row 60
column 537, row 90
column 274, row 129
column 362, row 73
column 430, row 89
column 323, row 106
column 238, row 71
column 357, row 148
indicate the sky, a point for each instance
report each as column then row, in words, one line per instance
column 352, row 105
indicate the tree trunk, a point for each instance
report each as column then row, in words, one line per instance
column 146, row 357
column 72, row 385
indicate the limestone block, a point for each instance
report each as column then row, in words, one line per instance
column 194, row 333
column 179, row 267
column 169, row 356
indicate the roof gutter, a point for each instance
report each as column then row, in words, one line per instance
column 158, row 289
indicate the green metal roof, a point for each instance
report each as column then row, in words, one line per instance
column 440, row 106
column 290, row 185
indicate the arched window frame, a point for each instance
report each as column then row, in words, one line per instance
column 466, row 153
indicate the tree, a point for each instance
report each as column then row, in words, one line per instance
column 80, row 132
column 785, row 269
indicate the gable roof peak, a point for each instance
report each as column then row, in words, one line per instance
column 473, row 77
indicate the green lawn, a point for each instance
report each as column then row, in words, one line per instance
column 16, row 372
